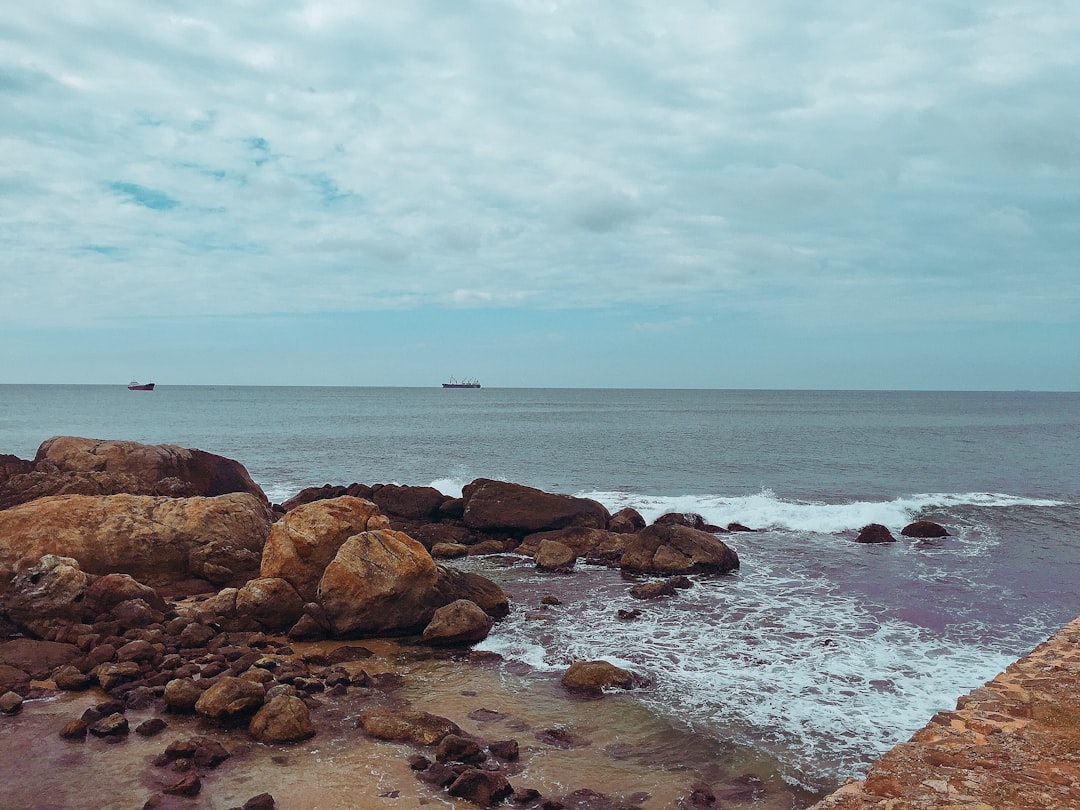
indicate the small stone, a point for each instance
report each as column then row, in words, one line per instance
column 151, row 727
column 187, row 785
column 115, row 725
column 11, row 703
column 74, row 730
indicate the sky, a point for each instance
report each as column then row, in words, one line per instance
column 589, row 193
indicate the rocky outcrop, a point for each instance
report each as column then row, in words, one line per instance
column 70, row 465
column 326, row 492
column 411, row 503
column 626, row 521
column 519, row 510
column 154, row 539
column 677, row 549
column 596, row 545
column 308, row 537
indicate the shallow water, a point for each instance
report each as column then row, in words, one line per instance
column 630, row 749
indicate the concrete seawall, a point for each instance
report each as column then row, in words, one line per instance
column 1011, row 744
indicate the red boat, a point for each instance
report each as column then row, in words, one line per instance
column 137, row 386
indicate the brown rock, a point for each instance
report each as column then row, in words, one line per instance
column 460, row 622
column 924, row 528
column 115, row 725
column 653, row 590
column 453, row 584
column 677, row 549
column 691, row 520
column 187, row 785
column 874, row 533
column 505, row 749
column 45, row 595
column 516, row 509
column 380, row 581
column 307, row 539
column 595, row 676
column 230, row 698
column 626, row 521
column 36, row 658
column 108, row 591
column 284, row 719
column 485, row 788
column 72, row 465
column 270, row 602
column 10, row 703
column 150, row 538
column 74, row 729
column 552, row 555
column 412, row 503
column 456, row 748
column 448, row 551
column 418, row 728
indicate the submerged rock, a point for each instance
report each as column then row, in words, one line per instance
column 875, row 533
column 924, row 528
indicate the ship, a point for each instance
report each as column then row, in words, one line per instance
column 138, row 386
column 463, row 384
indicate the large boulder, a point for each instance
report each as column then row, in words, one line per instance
column 150, row 538
column 875, row 533
column 399, row 725
column 676, row 549
column 492, row 506
column 380, row 581
column 70, row 465
column 453, row 584
column 37, row 658
column 46, row 596
column 307, row 538
column 553, row 556
column 230, row 698
column 268, row 603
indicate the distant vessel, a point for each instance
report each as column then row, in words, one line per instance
column 463, row 384
column 138, row 386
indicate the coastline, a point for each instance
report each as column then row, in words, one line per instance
column 1012, row 743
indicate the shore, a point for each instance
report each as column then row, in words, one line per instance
column 1013, row 743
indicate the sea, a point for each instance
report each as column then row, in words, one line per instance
column 819, row 652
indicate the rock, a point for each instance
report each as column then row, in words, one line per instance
column 10, row 703
column 230, row 698
column 308, row 538
column 653, row 590
column 595, row 676
column 677, row 549
column 629, row 615
column 485, row 788
column 72, row 465
column 150, row 538
column 874, row 533
column 284, row 719
column 264, row 801
column 115, row 725
column 505, row 749
column 110, row 676
column 133, row 613
column 74, row 729
column 516, row 509
column 151, row 727
column 46, row 595
column 418, row 728
column 448, row 551
column 562, row 737
column 924, row 528
column 411, row 503
column 487, row 547
column 379, row 582
column 270, row 602
column 108, row 591
column 460, row 622
column 218, row 561
column 691, row 520
column 453, row 584
column 187, row 785
column 456, row 748
column 181, row 695
column 626, row 521
column 195, row 635
column 738, row 527
column 71, row 679
column 37, row 658
column 553, row 556
column 326, row 492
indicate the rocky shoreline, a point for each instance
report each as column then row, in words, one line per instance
column 150, row 595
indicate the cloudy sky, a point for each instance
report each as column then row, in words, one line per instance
column 739, row 193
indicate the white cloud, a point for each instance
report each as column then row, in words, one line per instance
column 228, row 158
